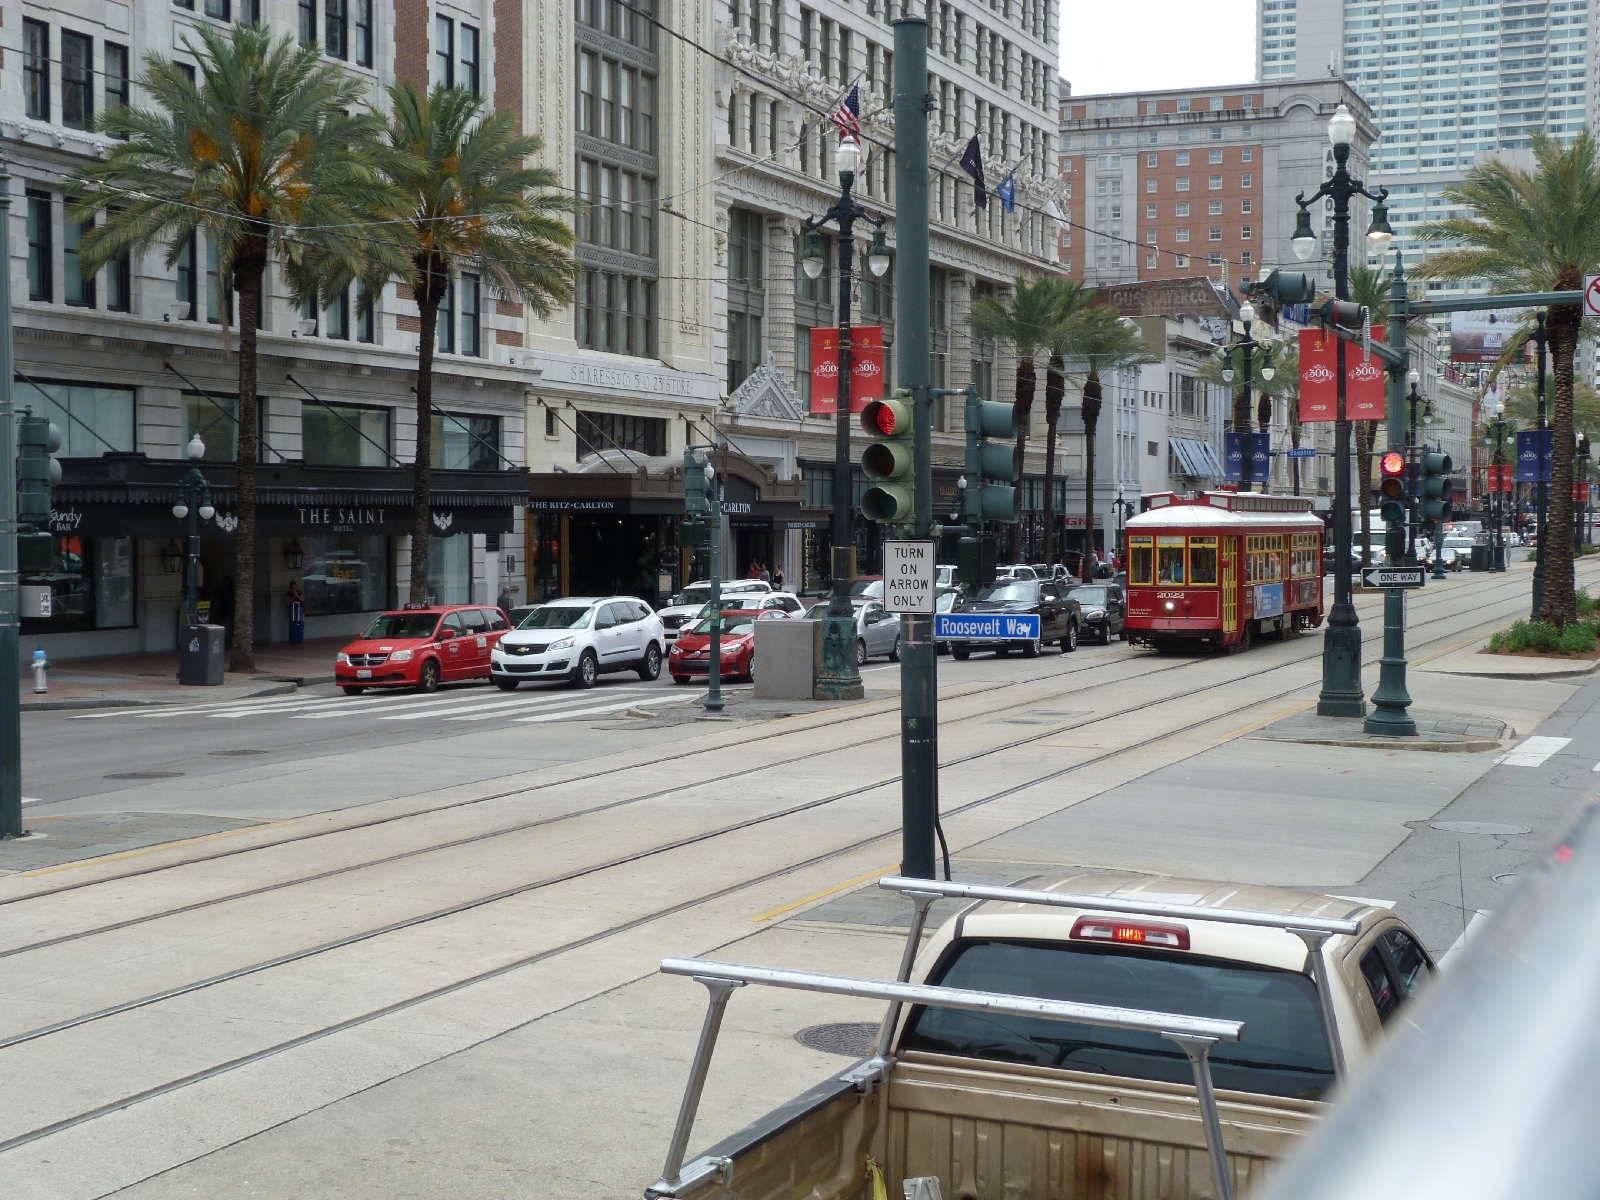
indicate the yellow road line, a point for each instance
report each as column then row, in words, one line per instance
column 105, row 858
column 778, row 912
column 1268, row 720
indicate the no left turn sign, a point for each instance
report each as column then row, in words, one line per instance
column 1591, row 295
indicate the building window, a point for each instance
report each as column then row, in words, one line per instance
column 188, row 293
column 1244, row 207
column 1183, row 209
column 365, row 325
column 1150, row 262
column 444, row 51
column 1182, row 235
column 599, row 432
column 346, row 572
column 1183, row 106
column 93, row 420
column 337, row 322
column 219, row 298
column 336, row 29
column 41, row 248
column 116, row 78
column 308, row 21
column 1244, row 233
column 1183, row 158
column 1149, row 212
column 747, row 233
column 79, row 289
column 1216, row 183
column 1247, row 154
column 471, row 77
column 344, row 435
column 466, row 443
column 1246, row 181
column 91, row 581
column 1150, row 185
column 1215, row 259
column 744, row 346
column 216, row 420
column 36, row 69
column 119, row 283
column 1214, row 234
column 616, row 312
column 77, row 80
column 445, row 328
column 363, row 38
column 471, row 326
column 1183, row 183
column 1183, row 260
column 1149, row 160
column 1214, row 209
column 1216, row 156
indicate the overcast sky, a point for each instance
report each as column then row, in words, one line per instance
column 1129, row 45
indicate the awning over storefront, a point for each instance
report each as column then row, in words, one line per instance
column 130, row 495
column 654, row 487
column 1196, row 458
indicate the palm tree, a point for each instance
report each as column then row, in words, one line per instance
column 258, row 145
column 1097, row 340
column 1025, row 322
column 468, row 200
column 1070, row 297
column 1535, row 232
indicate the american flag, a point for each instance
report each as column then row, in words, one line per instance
column 848, row 115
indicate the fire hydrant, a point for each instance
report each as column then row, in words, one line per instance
column 40, row 665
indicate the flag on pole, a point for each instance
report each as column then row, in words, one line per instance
column 972, row 164
column 848, row 115
column 1007, row 191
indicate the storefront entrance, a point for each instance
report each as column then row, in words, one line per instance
column 751, row 544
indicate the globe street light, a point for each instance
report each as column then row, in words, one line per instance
column 1341, row 694
column 840, row 677
column 194, row 502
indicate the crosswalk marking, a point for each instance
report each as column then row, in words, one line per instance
column 479, row 713
column 575, row 712
column 546, row 700
column 1532, row 752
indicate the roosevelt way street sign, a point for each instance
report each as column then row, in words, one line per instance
column 1395, row 577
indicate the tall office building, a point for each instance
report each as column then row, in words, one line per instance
column 1449, row 82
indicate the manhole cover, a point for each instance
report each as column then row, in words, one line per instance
column 850, row 1040
column 1488, row 827
column 145, row 775
column 232, row 753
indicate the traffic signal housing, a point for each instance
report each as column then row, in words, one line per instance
column 696, row 500
column 1433, row 487
column 889, row 460
column 1286, row 287
column 38, row 470
column 991, row 461
column 1392, row 503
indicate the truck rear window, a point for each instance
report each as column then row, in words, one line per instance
column 1284, row 1051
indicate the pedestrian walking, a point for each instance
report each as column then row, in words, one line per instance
column 505, row 601
column 777, row 579
column 766, row 575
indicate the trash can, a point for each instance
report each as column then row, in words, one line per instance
column 201, row 654
column 297, row 622
column 1480, row 557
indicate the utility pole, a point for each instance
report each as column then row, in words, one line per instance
column 919, row 699
column 10, row 696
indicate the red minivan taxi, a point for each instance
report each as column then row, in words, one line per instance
column 421, row 648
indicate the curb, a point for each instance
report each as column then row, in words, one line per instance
column 302, row 680
column 277, row 688
column 1546, row 676
column 1471, row 746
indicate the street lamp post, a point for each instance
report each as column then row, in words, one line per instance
column 195, row 504
column 1497, row 559
column 1582, row 476
column 840, row 677
column 1413, row 461
column 1247, row 316
column 1341, row 694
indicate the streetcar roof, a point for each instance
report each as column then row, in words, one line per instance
column 1204, row 516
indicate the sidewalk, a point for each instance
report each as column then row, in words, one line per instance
column 128, row 680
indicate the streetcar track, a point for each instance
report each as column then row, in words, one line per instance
column 409, row 1002
column 610, row 805
column 667, row 847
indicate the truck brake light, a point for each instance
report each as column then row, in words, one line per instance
column 1134, row 933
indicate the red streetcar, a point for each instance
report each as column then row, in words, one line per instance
column 1221, row 569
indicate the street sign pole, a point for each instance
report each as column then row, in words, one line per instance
column 10, row 694
column 1391, row 699
column 919, row 700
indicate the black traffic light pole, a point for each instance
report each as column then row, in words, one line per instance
column 10, row 694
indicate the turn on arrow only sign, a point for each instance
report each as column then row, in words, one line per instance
column 1395, row 577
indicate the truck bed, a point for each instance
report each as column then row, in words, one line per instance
column 998, row 1131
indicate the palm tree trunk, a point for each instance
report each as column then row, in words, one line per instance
column 430, row 293
column 1091, row 422
column 247, row 282
column 1556, row 549
column 1055, row 386
column 1024, row 408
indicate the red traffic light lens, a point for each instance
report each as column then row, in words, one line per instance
column 1394, row 464
column 885, row 419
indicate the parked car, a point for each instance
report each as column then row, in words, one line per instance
column 1056, row 572
column 1060, row 616
column 1014, row 571
column 421, row 648
column 944, row 575
column 519, row 614
column 688, row 604
column 870, row 586
column 877, row 632
column 785, row 602
column 690, row 655
column 580, row 638
column 1456, row 552
column 1104, row 609
column 947, row 599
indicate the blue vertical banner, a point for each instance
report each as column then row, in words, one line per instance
column 1260, row 458
column 1536, row 451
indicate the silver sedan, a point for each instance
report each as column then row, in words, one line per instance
column 877, row 632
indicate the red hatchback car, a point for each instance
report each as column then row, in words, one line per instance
column 691, row 653
column 421, row 648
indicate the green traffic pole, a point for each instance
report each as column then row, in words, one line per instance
column 919, row 701
column 714, row 702
column 10, row 696
column 1391, row 699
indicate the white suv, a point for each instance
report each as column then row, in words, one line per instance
column 580, row 638
column 686, row 605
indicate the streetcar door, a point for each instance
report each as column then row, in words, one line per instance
column 1230, row 585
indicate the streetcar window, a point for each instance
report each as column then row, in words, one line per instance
column 1169, row 560
column 1203, row 560
column 1140, row 557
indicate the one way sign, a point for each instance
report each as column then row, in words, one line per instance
column 1395, row 577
